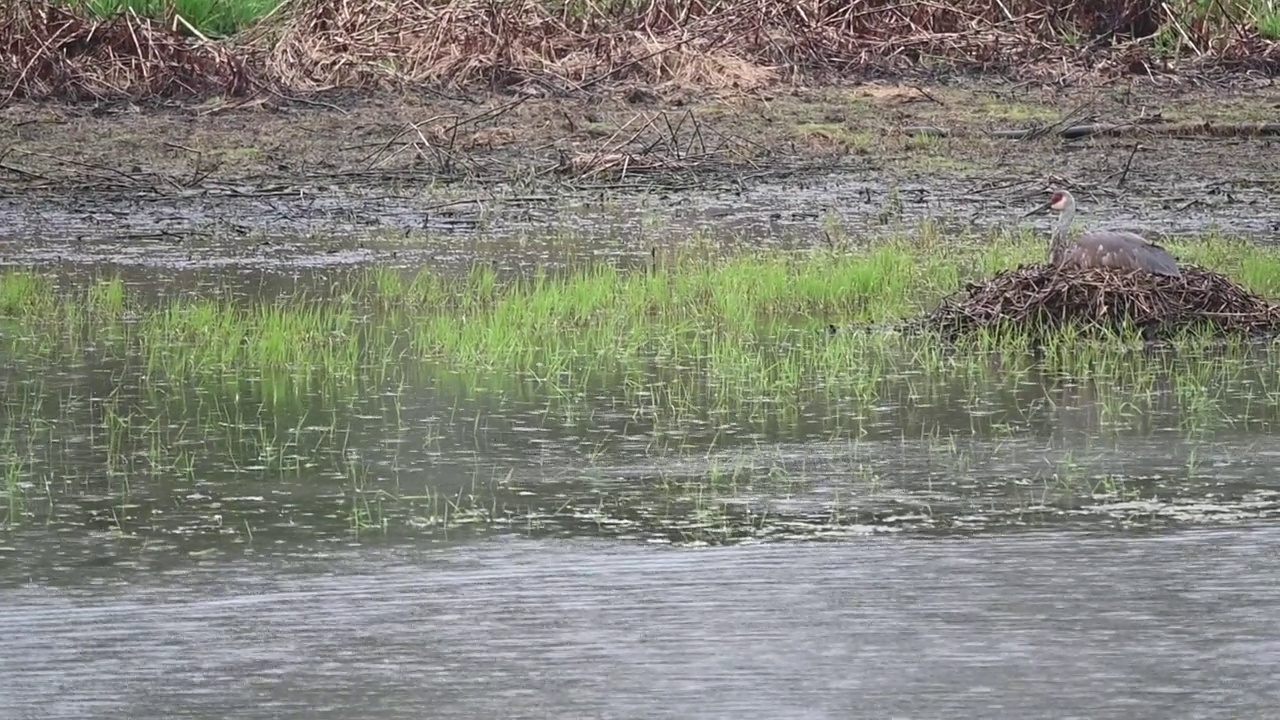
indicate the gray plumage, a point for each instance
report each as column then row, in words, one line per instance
column 1115, row 249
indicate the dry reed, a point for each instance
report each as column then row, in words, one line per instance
column 704, row 44
column 537, row 47
column 51, row 51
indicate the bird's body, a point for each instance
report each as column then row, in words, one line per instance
column 1116, row 249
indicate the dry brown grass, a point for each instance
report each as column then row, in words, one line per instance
column 541, row 47
column 731, row 44
column 328, row 44
column 49, row 51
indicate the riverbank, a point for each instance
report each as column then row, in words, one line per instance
column 179, row 180
column 255, row 157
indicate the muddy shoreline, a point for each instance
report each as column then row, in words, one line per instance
column 420, row 179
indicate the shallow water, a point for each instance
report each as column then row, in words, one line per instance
column 112, row 467
column 1031, row 625
column 986, row 544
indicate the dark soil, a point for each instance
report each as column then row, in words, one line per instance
column 633, row 139
column 94, row 183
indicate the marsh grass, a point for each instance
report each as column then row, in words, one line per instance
column 14, row 468
column 317, row 45
column 196, row 395
column 147, row 434
column 746, row 321
column 215, row 18
column 1181, row 20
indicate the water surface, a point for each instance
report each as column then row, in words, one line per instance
column 1058, row 625
column 978, row 540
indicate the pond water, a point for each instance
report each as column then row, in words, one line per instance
column 985, row 544
column 1004, row 626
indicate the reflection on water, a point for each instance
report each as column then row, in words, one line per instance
column 1030, row 625
column 105, row 465
column 1015, row 540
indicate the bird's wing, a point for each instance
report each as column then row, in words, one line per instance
column 1114, row 235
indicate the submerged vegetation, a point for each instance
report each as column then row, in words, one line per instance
column 761, row 315
column 717, row 374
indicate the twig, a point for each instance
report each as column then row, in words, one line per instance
column 1124, row 174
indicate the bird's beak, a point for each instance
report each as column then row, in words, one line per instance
column 1038, row 209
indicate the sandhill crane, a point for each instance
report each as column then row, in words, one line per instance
column 1103, row 248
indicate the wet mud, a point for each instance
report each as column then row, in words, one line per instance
column 446, row 183
column 485, row 545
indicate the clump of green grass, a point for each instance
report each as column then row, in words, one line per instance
column 1256, row 267
column 24, row 294
column 749, row 320
column 216, row 18
column 1187, row 18
column 1265, row 15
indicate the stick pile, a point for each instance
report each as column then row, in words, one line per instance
column 1046, row 297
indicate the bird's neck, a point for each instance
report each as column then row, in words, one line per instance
column 1063, row 227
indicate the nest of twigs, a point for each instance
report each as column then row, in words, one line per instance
column 54, row 51
column 1043, row 298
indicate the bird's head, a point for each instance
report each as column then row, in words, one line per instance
column 1058, row 202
